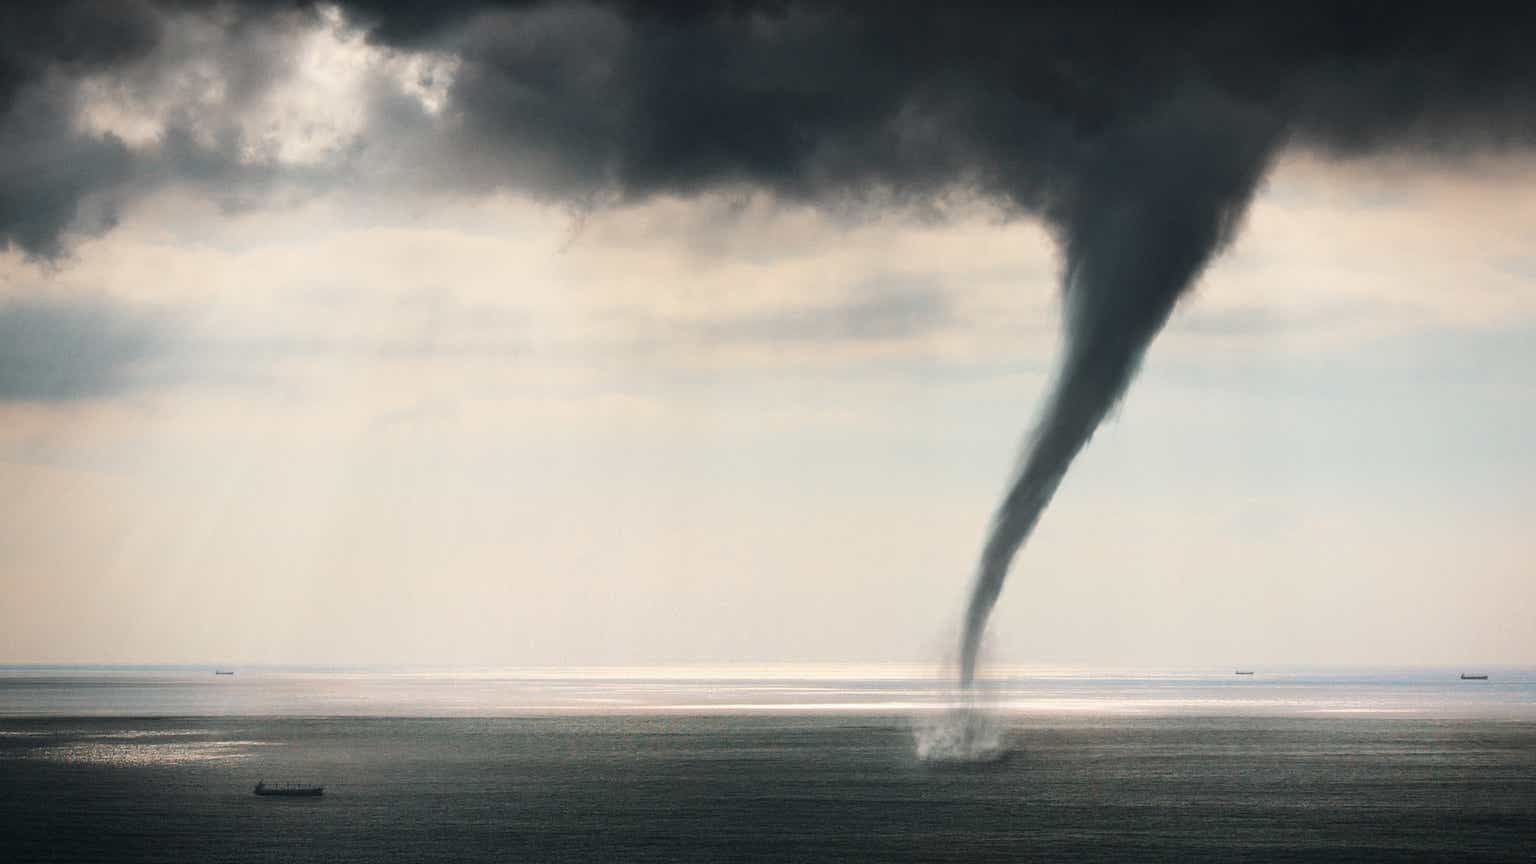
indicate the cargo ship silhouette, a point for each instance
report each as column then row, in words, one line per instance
column 288, row 790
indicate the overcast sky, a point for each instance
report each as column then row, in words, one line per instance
column 308, row 354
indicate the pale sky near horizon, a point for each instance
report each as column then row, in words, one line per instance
column 384, row 438
column 431, row 427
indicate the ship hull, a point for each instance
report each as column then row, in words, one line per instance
column 303, row 792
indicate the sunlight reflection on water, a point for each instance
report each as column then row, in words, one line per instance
column 192, row 692
column 143, row 753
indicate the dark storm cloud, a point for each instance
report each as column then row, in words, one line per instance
column 56, row 175
column 64, row 350
column 847, row 103
column 823, row 98
column 52, row 177
column 71, row 36
column 47, row 169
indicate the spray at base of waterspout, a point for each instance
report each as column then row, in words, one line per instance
column 967, row 734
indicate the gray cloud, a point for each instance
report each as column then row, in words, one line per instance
column 49, row 171
column 59, row 177
column 65, row 350
column 827, row 99
column 52, row 177
column 882, row 311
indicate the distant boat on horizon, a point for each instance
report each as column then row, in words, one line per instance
column 1242, row 672
column 288, row 790
column 222, row 672
column 1466, row 677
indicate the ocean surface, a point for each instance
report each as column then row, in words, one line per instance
column 784, row 764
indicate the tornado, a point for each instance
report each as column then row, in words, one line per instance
column 1153, row 204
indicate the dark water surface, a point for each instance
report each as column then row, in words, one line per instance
column 775, row 787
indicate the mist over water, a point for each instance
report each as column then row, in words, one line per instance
column 965, row 735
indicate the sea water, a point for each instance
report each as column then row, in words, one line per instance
column 155, row 764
